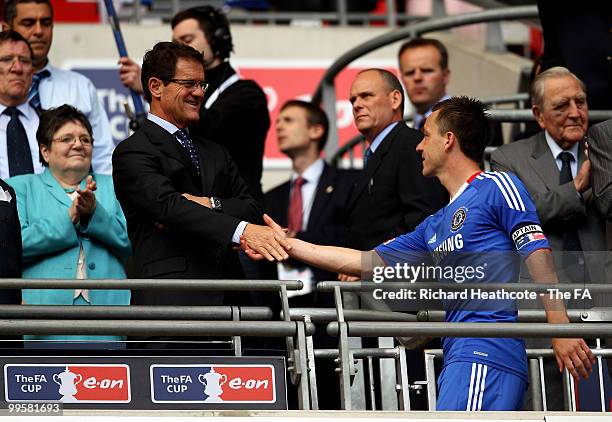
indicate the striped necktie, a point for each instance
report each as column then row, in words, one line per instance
column 34, row 96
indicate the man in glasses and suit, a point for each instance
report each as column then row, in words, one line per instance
column 184, row 201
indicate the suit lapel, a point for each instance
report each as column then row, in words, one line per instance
column 169, row 145
column 207, row 168
column 543, row 162
column 55, row 189
column 373, row 163
column 324, row 189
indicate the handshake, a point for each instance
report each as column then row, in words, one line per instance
column 270, row 242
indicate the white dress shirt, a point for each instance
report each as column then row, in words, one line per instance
column 29, row 120
column 286, row 271
column 68, row 87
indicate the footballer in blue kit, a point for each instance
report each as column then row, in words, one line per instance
column 491, row 213
column 490, row 225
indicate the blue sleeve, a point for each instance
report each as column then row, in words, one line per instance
column 408, row 248
column 516, row 212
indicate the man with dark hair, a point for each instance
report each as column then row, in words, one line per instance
column 234, row 111
column 184, row 201
column 18, row 119
column 313, row 203
column 52, row 86
column 391, row 196
column 489, row 219
column 423, row 64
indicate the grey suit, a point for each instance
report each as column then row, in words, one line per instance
column 558, row 206
column 600, row 154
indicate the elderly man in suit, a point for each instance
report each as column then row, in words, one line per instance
column 555, row 169
column 184, row 202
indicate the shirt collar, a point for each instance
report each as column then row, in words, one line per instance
column 379, row 138
column 556, row 149
column 26, row 110
column 312, row 173
column 169, row 127
column 418, row 117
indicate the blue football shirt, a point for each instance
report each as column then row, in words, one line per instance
column 488, row 226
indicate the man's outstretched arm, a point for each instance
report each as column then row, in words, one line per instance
column 329, row 258
column 571, row 353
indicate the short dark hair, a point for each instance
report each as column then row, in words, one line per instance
column 10, row 8
column 15, row 36
column 214, row 24
column 315, row 116
column 53, row 119
column 467, row 119
column 427, row 42
column 160, row 62
column 390, row 80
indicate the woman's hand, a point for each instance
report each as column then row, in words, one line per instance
column 86, row 199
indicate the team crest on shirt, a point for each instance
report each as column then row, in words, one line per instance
column 458, row 218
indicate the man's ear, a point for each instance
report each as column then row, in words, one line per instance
column 315, row 132
column 396, row 99
column 537, row 113
column 449, row 140
column 5, row 26
column 155, row 86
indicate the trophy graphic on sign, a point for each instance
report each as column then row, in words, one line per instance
column 67, row 381
column 212, row 385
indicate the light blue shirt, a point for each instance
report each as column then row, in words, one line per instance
column 379, row 138
column 170, row 128
column 72, row 88
column 29, row 120
column 556, row 150
column 418, row 117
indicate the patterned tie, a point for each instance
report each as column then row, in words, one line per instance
column 421, row 124
column 183, row 137
column 34, row 96
column 17, row 145
column 367, row 155
column 294, row 216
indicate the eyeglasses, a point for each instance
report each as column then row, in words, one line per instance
column 190, row 84
column 70, row 140
column 7, row 61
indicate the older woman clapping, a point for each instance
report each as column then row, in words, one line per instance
column 71, row 223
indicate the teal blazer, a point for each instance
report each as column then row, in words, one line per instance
column 51, row 243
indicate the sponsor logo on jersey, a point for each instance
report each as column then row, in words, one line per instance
column 69, row 383
column 213, row 384
column 448, row 245
column 527, row 234
column 458, row 219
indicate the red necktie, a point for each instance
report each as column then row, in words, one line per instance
column 294, row 216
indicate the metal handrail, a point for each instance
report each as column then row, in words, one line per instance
column 330, row 314
column 150, row 284
column 252, row 313
column 153, row 328
column 506, row 13
column 471, row 329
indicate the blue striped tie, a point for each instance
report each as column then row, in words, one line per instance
column 34, row 96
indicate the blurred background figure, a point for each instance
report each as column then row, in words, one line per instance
column 72, row 226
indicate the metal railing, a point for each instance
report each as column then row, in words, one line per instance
column 326, row 91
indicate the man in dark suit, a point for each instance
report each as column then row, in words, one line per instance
column 312, row 204
column 184, row 202
column 553, row 166
column 301, row 129
column 234, row 112
column 600, row 155
column 391, row 196
column 10, row 242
